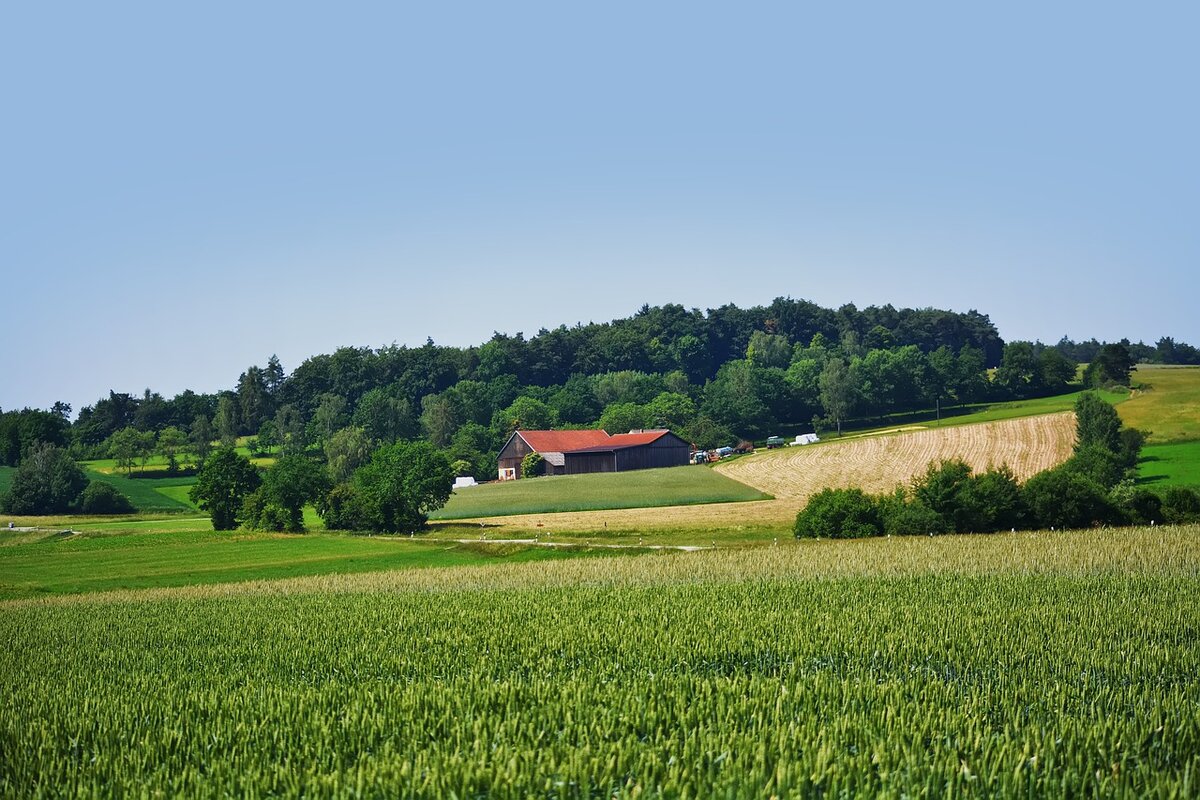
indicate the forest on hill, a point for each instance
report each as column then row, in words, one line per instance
column 713, row 376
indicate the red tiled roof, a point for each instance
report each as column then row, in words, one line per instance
column 562, row 441
column 621, row 441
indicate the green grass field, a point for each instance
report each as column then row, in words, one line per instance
column 673, row 486
column 145, row 493
column 1168, row 406
column 982, row 412
column 1164, row 465
column 1030, row 665
column 182, row 552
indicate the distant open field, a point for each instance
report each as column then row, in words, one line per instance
column 1023, row 665
column 980, row 412
column 1168, row 406
column 186, row 551
column 691, row 485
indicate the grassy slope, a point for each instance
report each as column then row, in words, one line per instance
column 993, row 412
column 691, row 485
column 131, row 555
column 1168, row 406
column 144, row 492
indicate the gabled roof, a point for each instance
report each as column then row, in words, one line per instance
column 623, row 440
column 562, row 441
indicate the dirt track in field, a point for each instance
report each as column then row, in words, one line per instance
column 872, row 463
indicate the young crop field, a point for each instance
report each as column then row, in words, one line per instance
column 131, row 554
column 1012, row 665
column 672, row 486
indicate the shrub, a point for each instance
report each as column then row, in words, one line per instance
column 259, row 513
column 941, row 487
column 1181, row 505
column 342, row 509
column 839, row 514
column 532, row 465
column 104, row 498
column 990, row 502
column 1063, row 498
column 1132, row 441
column 48, row 481
column 1099, row 465
column 1137, row 506
column 902, row 515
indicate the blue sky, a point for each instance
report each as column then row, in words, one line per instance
column 188, row 190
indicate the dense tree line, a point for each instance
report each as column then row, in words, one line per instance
column 713, row 377
column 1096, row 486
column 1165, row 351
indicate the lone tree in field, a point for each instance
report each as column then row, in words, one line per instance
column 222, row 485
column 124, row 446
column 401, row 484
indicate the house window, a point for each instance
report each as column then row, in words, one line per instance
column 508, row 473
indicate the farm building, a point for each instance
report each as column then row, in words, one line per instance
column 578, row 452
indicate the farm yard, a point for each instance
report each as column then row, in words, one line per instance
column 1022, row 664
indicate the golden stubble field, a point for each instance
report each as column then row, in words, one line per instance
column 872, row 463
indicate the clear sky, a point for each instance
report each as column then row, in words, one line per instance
column 187, row 189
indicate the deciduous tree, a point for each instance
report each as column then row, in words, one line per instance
column 222, row 485
column 48, row 481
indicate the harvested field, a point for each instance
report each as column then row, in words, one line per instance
column 874, row 463
column 878, row 463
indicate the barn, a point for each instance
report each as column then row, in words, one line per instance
column 551, row 444
column 579, row 452
column 626, row 451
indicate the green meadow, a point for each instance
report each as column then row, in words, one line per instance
column 99, row 557
column 980, row 412
column 150, row 495
column 672, row 486
column 1165, row 465
column 1166, row 403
